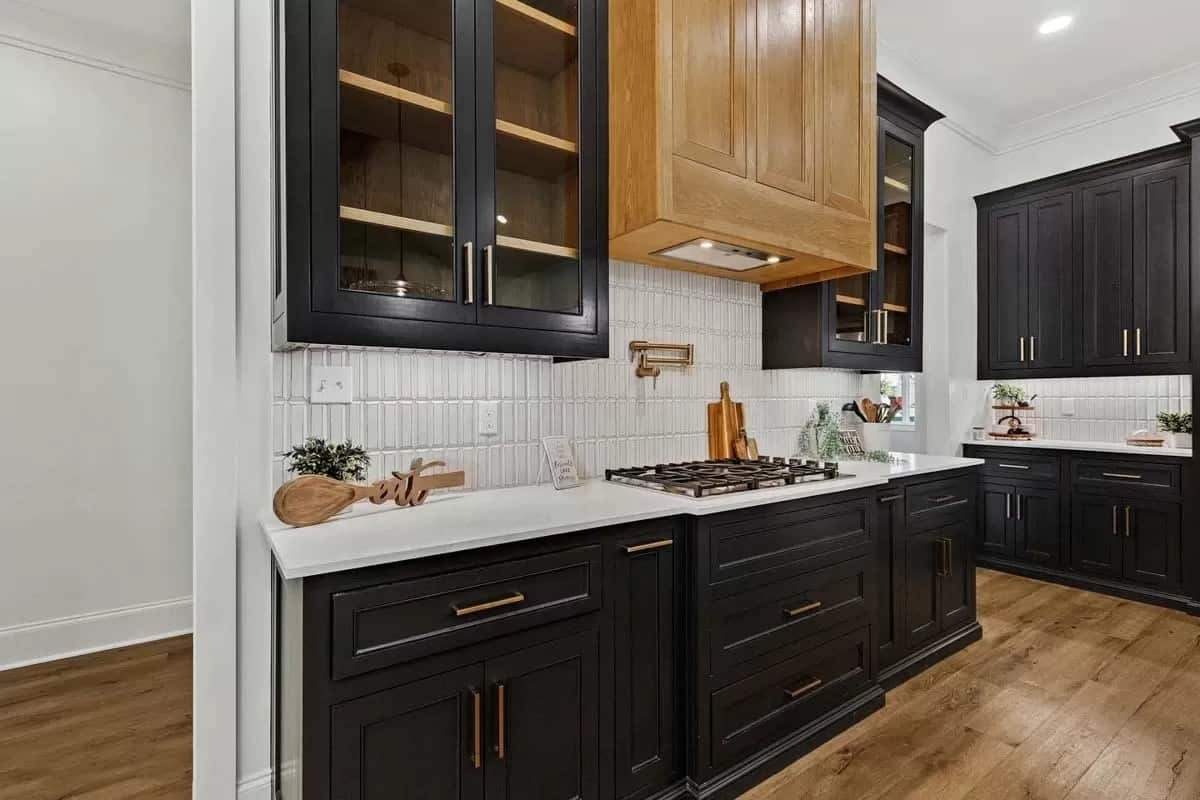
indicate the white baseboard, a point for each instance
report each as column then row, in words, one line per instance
column 255, row 787
column 50, row 640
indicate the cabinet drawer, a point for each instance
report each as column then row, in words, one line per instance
column 931, row 504
column 754, row 623
column 751, row 714
column 392, row 623
column 1022, row 467
column 747, row 550
column 1125, row 477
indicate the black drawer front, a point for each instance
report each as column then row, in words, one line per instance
column 935, row 503
column 753, row 713
column 1126, row 477
column 1022, row 467
column 397, row 622
column 748, row 551
column 754, row 623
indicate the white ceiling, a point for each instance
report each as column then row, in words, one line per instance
column 990, row 58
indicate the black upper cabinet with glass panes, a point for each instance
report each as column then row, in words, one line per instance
column 442, row 175
column 872, row 321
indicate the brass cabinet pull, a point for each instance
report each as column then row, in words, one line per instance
column 1138, row 352
column 1013, row 466
column 1115, row 533
column 489, row 269
column 477, row 712
column 1022, row 349
column 1126, row 522
column 890, row 498
column 469, row 266
column 500, row 720
column 1125, row 342
column 884, row 328
column 1008, row 506
column 1018, row 508
column 796, row 612
column 805, row 689
column 464, row 611
column 641, row 548
column 1122, row 476
column 942, row 498
column 1032, row 349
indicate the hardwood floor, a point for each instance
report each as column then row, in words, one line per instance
column 109, row 726
column 1069, row 695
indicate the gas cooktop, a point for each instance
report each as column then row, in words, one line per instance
column 707, row 478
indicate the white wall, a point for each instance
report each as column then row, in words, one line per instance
column 95, row 313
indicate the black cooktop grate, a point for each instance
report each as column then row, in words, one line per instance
column 707, row 478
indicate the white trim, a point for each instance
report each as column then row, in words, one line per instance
column 214, row 399
column 65, row 637
column 88, row 61
column 256, row 786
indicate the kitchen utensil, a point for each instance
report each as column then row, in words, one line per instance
column 853, row 408
column 741, row 448
column 752, row 446
column 869, row 410
column 312, row 499
column 725, row 420
column 883, row 412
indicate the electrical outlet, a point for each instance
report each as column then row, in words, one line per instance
column 331, row 384
column 1068, row 407
column 489, row 417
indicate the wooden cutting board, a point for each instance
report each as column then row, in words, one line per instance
column 726, row 420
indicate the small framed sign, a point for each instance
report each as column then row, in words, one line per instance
column 562, row 461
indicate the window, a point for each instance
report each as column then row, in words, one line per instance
column 901, row 387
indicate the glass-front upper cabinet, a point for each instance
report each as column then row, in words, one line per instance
column 440, row 175
column 896, row 283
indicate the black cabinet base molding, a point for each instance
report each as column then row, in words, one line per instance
column 1122, row 589
column 916, row 663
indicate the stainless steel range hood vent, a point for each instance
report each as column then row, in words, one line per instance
column 720, row 255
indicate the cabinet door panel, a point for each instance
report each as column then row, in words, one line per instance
column 921, row 556
column 549, row 720
column 1108, row 274
column 1096, row 541
column 848, row 105
column 889, row 577
column 1052, row 282
column 1038, row 525
column 642, row 591
column 414, row 741
column 956, row 591
column 995, row 520
column 787, row 134
column 1161, row 280
column 710, row 65
column 1152, row 543
column 897, row 281
column 1008, row 286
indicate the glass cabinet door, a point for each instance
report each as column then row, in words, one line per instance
column 399, row 166
column 853, row 310
column 533, row 157
column 895, row 280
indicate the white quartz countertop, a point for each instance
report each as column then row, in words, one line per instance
column 370, row 535
column 1086, row 447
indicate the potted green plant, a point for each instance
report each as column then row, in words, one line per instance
column 341, row 462
column 1008, row 395
column 1178, row 427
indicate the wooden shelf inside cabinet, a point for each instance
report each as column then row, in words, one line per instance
column 851, row 301
column 382, row 220
column 888, row 247
column 895, row 309
column 533, row 153
column 521, row 33
column 537, row 247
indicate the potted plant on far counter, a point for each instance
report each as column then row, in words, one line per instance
column 346, row 461
column 1178, row 427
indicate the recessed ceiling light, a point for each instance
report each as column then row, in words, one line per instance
column 1055, row 24
column 706, row 245
column 773, row 259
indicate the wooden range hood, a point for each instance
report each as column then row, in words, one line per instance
column 744, row 126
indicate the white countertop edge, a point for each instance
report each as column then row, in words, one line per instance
column 455, row 522
column 1084, row 447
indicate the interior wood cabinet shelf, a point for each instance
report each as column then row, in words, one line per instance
column 518, row 24
column 888, row 247
column 850, row 300
column 383, row 220
column 531, row 246
column 895, row 308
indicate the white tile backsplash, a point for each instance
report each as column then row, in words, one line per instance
column 423, row 403
column 1106, row 409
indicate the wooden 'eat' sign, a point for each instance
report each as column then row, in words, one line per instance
column 312, row 499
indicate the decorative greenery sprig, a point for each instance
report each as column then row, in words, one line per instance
column 1173, row 422
column 1008, row 394
column 338, row 461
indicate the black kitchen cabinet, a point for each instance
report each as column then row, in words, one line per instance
column 1096, row 544
column 423, row 739
column 1038, row 525
column 545, row 712
column 889, row 574
column 940, row 585
column 641, row 587
column 1088, row 273
column 872, row 321
column 444, row 176
column 1134, row 539
column 997, row 530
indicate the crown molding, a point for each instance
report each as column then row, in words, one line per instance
column 49, row 33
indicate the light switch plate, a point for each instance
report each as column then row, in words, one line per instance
column 331, row 384
column 1068, row 407
column 489, row 417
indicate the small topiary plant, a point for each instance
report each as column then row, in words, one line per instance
column 338, row 461
column 1172, row 422
column 1007, row 394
